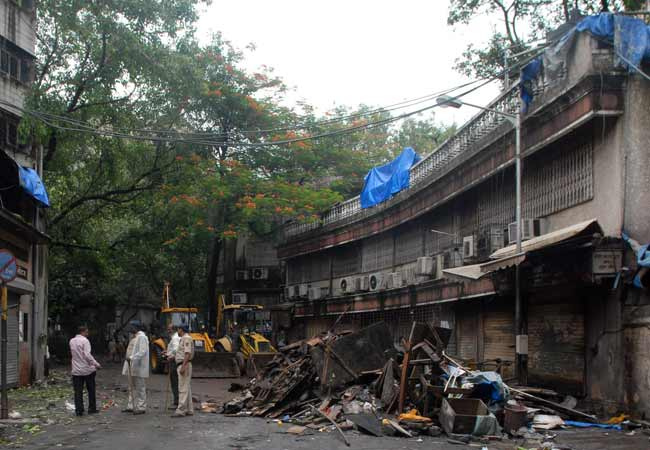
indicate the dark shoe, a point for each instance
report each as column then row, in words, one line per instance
column 137, row 412
column 79, row 414
column 94, row 411
column 127, row 410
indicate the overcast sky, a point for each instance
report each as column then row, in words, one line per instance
column 356, row 51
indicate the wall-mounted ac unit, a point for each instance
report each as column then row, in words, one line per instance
column 303, row 290
column 362, row 284
column 409, row 276
column 394, row 280
column 376, row 281
column 490, row 239
column 453, row 258
column 424, row 266
column 239, row 298
column 295, row 291
column 469, row 247
column 346, row 285
column 241, row 275
column 259, row 273
column 315, row 293
column 530, row 228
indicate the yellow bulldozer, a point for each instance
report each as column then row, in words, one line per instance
column 240, row 349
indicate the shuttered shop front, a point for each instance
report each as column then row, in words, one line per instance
column 12, row 344
column 467, row 325
column 498, row 332
column 556, row 344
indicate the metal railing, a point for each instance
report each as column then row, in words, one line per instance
column 433, row 166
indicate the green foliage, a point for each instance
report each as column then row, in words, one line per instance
column 129, row 214
column 521, row 23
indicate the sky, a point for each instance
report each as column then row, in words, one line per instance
column 352, row 52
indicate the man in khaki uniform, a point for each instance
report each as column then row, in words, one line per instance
column 183, row 357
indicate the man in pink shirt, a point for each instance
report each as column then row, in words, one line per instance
column 83, row 371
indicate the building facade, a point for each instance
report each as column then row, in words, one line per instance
column 442, row 250
column 21, row 214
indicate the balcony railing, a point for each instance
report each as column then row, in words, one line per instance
column 438, row 163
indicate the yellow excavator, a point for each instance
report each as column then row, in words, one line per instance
column 240, row 349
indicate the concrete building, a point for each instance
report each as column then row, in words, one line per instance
column 441, row 251
column 21, row 218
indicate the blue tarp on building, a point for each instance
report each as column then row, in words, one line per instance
column 32, row 184
column 382, row 182
column 629, row 36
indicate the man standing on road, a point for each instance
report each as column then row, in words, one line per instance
column 184, row 356
column 136, row 368
column 84, row 367
column 171, row 359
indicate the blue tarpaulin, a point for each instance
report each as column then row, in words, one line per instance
column 32, row 184
column 629, row 36
column 382, row 182
column 606, row 426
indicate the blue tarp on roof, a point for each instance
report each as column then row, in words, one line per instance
column 629, row 36
column 32, row 184
column 382, row 182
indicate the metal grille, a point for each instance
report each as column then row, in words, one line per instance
column 377, row 253
column 408, row 244
column 558, row 180
column 346, row 261
column 496, row 203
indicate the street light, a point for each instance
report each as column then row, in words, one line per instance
column 446, row 101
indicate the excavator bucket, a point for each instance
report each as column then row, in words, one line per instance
column 215, row 365
column 257, row 361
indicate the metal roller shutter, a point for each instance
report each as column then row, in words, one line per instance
column 12, row 344
column 467, row 333
column 498, row 332
column 556, row 345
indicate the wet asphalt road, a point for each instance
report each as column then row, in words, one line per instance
column 156, row 430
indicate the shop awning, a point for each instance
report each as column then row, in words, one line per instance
column 476, row 271
column 546, row 240
column 507, row 256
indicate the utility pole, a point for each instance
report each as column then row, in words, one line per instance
column 4, row 412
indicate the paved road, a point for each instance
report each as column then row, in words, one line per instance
column 113, row 430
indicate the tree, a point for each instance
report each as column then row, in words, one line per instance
column 523, row 22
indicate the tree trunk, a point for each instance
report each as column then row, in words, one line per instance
column 213, row 265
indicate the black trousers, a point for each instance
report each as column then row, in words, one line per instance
column 173, row 376
column 78, row 383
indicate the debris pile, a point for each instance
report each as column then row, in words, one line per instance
column 362, row 380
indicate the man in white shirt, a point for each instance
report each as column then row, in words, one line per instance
column 136, row 367
column 174, row 340
column 84, row 368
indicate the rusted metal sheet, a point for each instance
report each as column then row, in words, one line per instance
column 556, row 344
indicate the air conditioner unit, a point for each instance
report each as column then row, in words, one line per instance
column 469, row 249
column 346, row 285
column 490, row 239
column 295, row 291
column 424, row 266
column 241, row 275
column 259, row 273
column 409, row 276
column 394, row 280
column 303, row 290
column 239, row 298
column 530, row 228
column 376, row 281
column 453, row 258
column 440, row 265
column 362, row 284
column 314, row 293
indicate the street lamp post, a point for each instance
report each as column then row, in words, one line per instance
column 521, row 332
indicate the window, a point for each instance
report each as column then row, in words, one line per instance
column 12, row 134
column 4, row 61
column 13, row 67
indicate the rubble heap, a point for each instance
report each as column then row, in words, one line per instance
column 362, row 380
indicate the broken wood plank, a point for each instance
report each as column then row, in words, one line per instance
column 322, row 414
column 405, row 365
column 556, row 406
column 398, row 428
